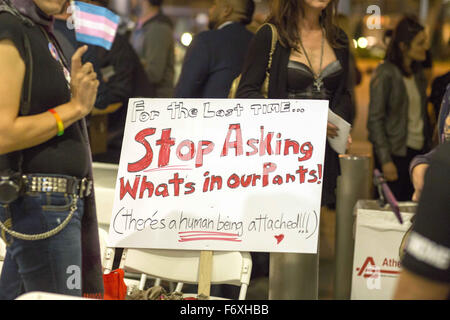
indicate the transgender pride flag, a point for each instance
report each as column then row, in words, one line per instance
column 94, row 25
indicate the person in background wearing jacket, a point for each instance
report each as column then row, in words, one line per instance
column 154, row 43
column 45, row 152
column 398, row 123
column 215, row 57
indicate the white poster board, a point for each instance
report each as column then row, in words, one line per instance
column 220, row 174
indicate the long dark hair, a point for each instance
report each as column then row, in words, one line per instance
column 286, row 15
column 405, row 32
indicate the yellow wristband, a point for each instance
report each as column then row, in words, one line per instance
column 59, row 122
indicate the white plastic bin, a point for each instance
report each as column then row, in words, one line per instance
column 376, row 263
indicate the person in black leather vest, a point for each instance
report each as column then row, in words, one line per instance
column 51, row 228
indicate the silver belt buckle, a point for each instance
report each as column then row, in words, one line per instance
column 85, row 188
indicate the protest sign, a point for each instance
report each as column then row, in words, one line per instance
column 220, row 174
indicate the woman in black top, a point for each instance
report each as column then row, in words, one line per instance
column 319, row 70
column 310, row 62
column 44, row 148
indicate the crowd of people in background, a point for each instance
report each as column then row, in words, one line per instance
column 311, row 59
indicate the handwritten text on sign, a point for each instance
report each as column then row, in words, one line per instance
column 240, row 175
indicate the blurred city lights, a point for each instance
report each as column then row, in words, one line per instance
column 202, row 18
column 186, row 39
column 362, row 42
column 371, row 41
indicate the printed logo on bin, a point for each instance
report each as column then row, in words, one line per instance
column 369, row 266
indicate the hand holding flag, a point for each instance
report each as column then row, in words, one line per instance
column 84, row 83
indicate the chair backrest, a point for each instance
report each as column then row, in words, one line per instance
column 2, row 253
column 105, row 175
column 2, row 249
column 103, row 239
column 183, row 266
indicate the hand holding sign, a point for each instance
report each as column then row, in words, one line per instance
column 338, row 131
column 332, row 130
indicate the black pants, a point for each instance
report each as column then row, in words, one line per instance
column 402, row 188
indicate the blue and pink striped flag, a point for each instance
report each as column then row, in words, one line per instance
column 95, row 25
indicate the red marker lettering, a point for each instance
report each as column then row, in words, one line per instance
column 147, row 159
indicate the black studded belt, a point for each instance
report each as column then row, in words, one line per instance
column 62, row 184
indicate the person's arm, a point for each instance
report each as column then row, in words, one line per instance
column 379, row 94
column 195, row 70
column 426, row 262
column 419, row 164
column 411, row 286
column 255, row 65
column 345, row 106
column 22, row 132
column 157, row 43
column 417, row 169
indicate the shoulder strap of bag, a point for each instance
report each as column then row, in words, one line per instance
column 236, row 81
column 265, row 85
column 273, row 44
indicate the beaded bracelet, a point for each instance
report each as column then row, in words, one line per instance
column 59, row 122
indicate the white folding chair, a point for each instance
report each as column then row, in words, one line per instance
column 182, row 266
column 105, row 175
column 103, row 239
column 2, row 254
